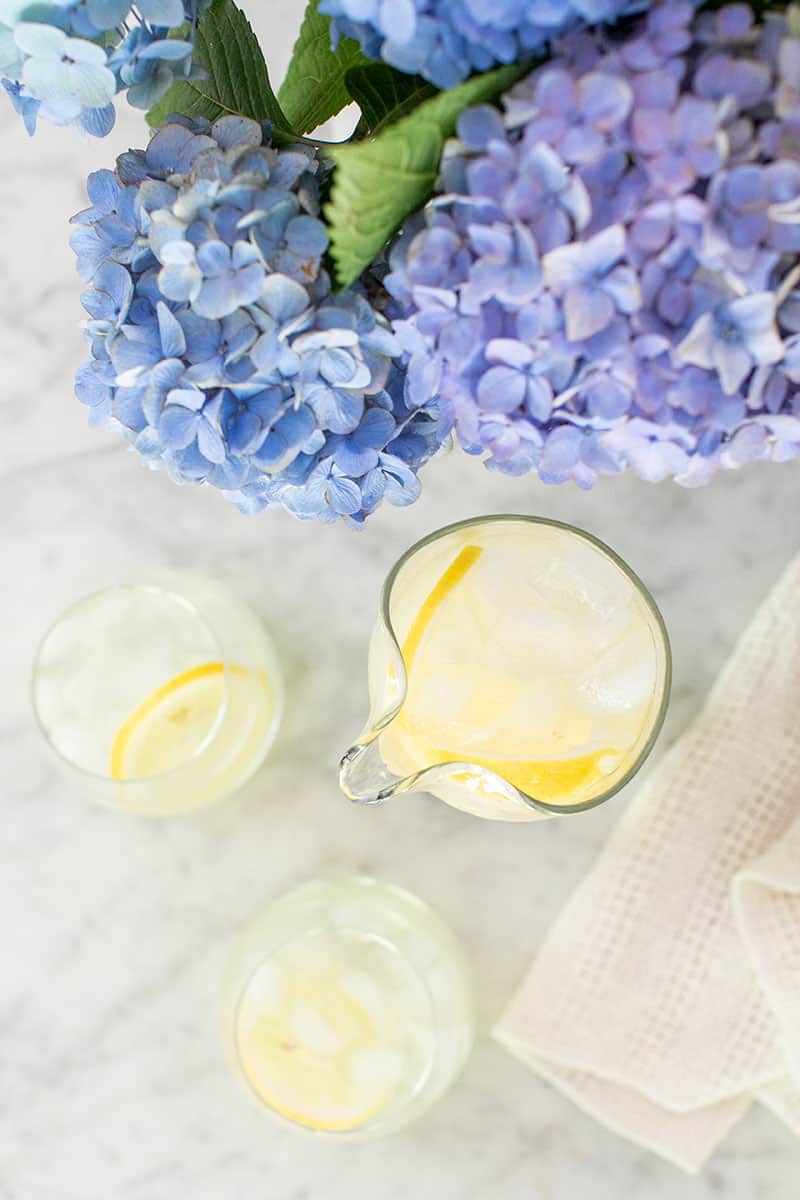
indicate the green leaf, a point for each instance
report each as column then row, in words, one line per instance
column 384, row 95
column 314, row 88
column 376, row 185
column 378, row 182
column 238, row 81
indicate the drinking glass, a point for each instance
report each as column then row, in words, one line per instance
column 347, row 1008
column 158, row 696
column 518, row 669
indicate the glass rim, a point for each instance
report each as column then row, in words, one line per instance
column 381, row 1121
column 377, row 1122
column 418, row 778
column 105, row 777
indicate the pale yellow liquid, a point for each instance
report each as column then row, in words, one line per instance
column 333, row 1029
column 130, row 688
column 347, row 1007
column 529, row 652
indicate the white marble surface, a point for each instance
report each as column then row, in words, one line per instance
column 114, row 931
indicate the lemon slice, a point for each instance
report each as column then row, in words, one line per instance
column 169, row 727
column 553, row 780
column 458, row 568
column 314, row 1043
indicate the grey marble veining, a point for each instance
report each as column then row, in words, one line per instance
column 114, row 931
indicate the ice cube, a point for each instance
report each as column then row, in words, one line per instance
column 592, row 573
column 580, row 578
column 308, row 1027
column 267, row 988
column 377, row 1070
column 508, row 666
column 366, row 992
column 513, row 559
column 624, row 677
column 535, row 641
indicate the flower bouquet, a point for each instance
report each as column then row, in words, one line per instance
column 566, row 232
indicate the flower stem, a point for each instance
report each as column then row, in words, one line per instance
column 788, row 286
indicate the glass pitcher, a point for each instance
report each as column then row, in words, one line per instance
column 518, row 669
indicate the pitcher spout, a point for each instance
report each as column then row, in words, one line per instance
column 364, row 777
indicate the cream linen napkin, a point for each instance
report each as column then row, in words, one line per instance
column 666, row 997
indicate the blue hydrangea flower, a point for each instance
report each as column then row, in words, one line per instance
column 217, row 346
column 610, row 278
column 108, row 300
column 191, row 415
column 147, row 66
column 67, row 76
column 26, row 106
column 11, row 57
column 445, row 40
column 61, row 68
column 63, row 61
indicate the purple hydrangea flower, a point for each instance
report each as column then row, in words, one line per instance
column 663, row 36
column 575, row 117
column 678, row 146
column 734, row 338
column 654, row 451
column 755, row 207
column 554, row 200
column 724, row 78
column 610, row 278
column 787, row 99
column 576, row 452
column 592, row 282
column 516, row 378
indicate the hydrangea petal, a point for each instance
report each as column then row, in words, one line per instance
column 166, row 13
column 177, row 427
column 587, row 310
column 210, row 442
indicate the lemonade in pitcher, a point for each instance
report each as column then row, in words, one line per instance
column 518, row 667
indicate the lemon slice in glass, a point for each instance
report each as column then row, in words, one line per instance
column 170, row 726
column 320, row 1040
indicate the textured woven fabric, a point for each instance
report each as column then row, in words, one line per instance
column 666, row 997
